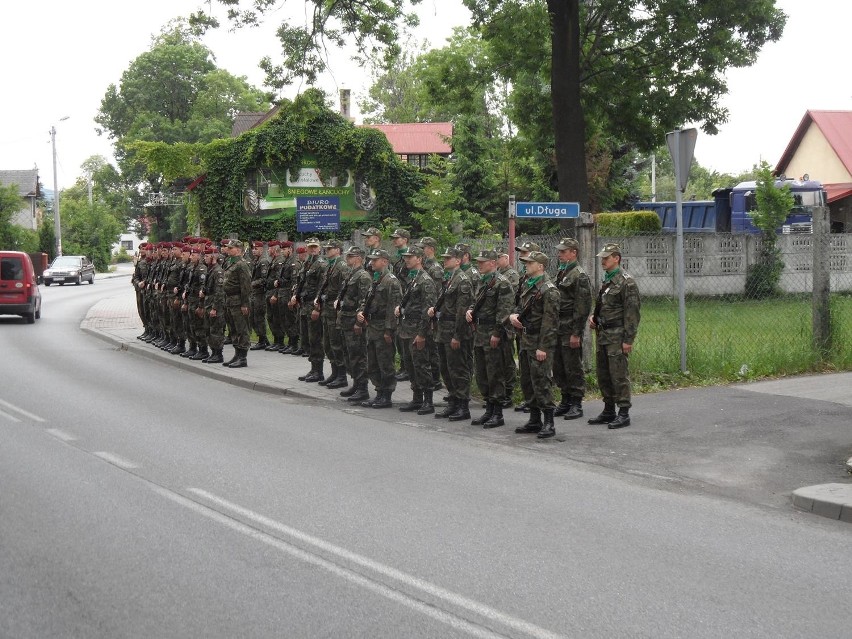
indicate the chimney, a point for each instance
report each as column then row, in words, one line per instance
column 345, row 102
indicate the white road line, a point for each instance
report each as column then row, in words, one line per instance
column 379, row 588
column 11, row 418
column 35, row 418
column 452, row 598
column 61, row 434
column 115, row 460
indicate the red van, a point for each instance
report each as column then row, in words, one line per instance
column 19, row 292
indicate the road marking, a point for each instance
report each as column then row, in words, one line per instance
column 61, row 434
column 11, row 418
column 35, row 418
column 410, row 581
column 115, row 460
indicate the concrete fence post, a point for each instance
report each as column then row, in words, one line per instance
column 821, row 270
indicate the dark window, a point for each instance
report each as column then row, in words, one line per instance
column 11, row 268
column 127, row 245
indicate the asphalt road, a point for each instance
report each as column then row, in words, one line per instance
column 138, row 500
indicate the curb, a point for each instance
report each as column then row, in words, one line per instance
column 208, row 371
column 833, row 501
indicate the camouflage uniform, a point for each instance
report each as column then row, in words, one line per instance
column 140, row 273
column 335, row 275
column 378, row 309
column 456, row 364
column 259, row 273
column 314, row 271
column 507, row 347
column 195, row 310
column 419, row 297
column 237, row 288
column 274, row 312
column 214, row 299
column 286, row 288
column 351, row 297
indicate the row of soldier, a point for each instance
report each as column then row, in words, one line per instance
column 447, row 320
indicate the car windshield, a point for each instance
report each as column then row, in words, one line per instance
column 65, row 262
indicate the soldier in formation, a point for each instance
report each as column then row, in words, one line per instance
column 353, row 296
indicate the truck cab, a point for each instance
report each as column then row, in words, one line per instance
column 806, row 193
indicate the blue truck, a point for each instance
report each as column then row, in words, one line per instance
column 730, row 209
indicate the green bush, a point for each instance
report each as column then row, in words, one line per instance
column 627, row 223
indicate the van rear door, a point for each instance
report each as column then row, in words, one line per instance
column 13, row 280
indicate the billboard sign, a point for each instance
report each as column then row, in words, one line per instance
column 317, row 214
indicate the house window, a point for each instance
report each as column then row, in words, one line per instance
column 420, row 161
column 127, row 245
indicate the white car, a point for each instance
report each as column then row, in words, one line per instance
column 69, row 269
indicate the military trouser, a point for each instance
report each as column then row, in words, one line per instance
column 490, row 378
column 304, row 321
column 289, row 319
column 332, row 340
column 274, row 318
column 416, row 364
column 355, row 350
column 434, row 361
column 455, row 368
column 380, row 363
column 568, row 369
column 186, row 318
column 536, row 380
column 238, row 327
column 315, row 351
column 257, row 304
column 140, row 308
column 510, row 368
column 613, row 376
column 215, row 328
column 176, row 317
column 199, row 330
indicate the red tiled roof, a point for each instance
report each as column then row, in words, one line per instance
column 418, row 138
column 836, row 126
column 836, row 192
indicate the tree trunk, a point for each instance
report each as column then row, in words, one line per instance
column 569, row 126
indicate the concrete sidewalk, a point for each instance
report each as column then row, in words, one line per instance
column 758, row 442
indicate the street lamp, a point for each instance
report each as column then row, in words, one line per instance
column 57, row 227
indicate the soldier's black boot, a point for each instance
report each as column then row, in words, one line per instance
column 277, row 345
column 201, row 354
column 489, row 411
column 233, row 359
column 533, row 425
column 261, row 345
column 180, row 348
column 313, row 370
column 496, row 418
column 193, row 350
column 361, row 394
column 548, row 429
column 240, row 361
column 523, row 407
column 462, row 411
column 228, row 340
column 415, row 403
column 349, row 392
column 215, row 358
column 372, row 402
column 564, row 406
column 621, row 420
column 317, row 375
column 606, row 416
column 452, row 405
column 427, row 407
column 340, row 379
column 331, row 376
column 385, row 401
column 576, row 410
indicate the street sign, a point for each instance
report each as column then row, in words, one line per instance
column 547, row 209
column 682, row 147
column 317, row 214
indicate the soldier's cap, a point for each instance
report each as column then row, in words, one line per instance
column 355, row 251
column 536, row 256
column 413, row 250
column 312, row 241
column 568, row 243
column 452, row 251
column 234, row 244
column 485, row 256
column 196, row 251
column 372, row 232
column 257, row 244
column 210, row 251
column 301, row 250
column 401, row 233
column 186, row 238
column 610, row 249
column 285, row 244
column 273, row 243
column 428, row 241
column 333, row 244
column 379, row 254
column 527, row 247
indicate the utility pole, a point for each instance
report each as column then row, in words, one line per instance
column 57, row 225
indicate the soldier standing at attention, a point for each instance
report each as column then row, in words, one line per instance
column 195, row 304
column 352, row 296
column 332, row 339
column 488, row 315
column 575, row 306
column 237, row 287
column 436, row 271
column 283, row 292
column 140, row 272
column 537, row 318
column 454, row 336
column 295, row 303
column 400, row 239
column 273, row 309
column 259, row 272
column 523, row 250
column 314, row 272
column 213, row 296
column 377, row 314
column 414, row 329
column 615, row 321
column 372, row 242
column 510, row 369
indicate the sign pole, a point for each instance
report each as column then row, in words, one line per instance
column 512, row 231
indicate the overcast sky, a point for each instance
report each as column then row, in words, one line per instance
column 58, row 58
